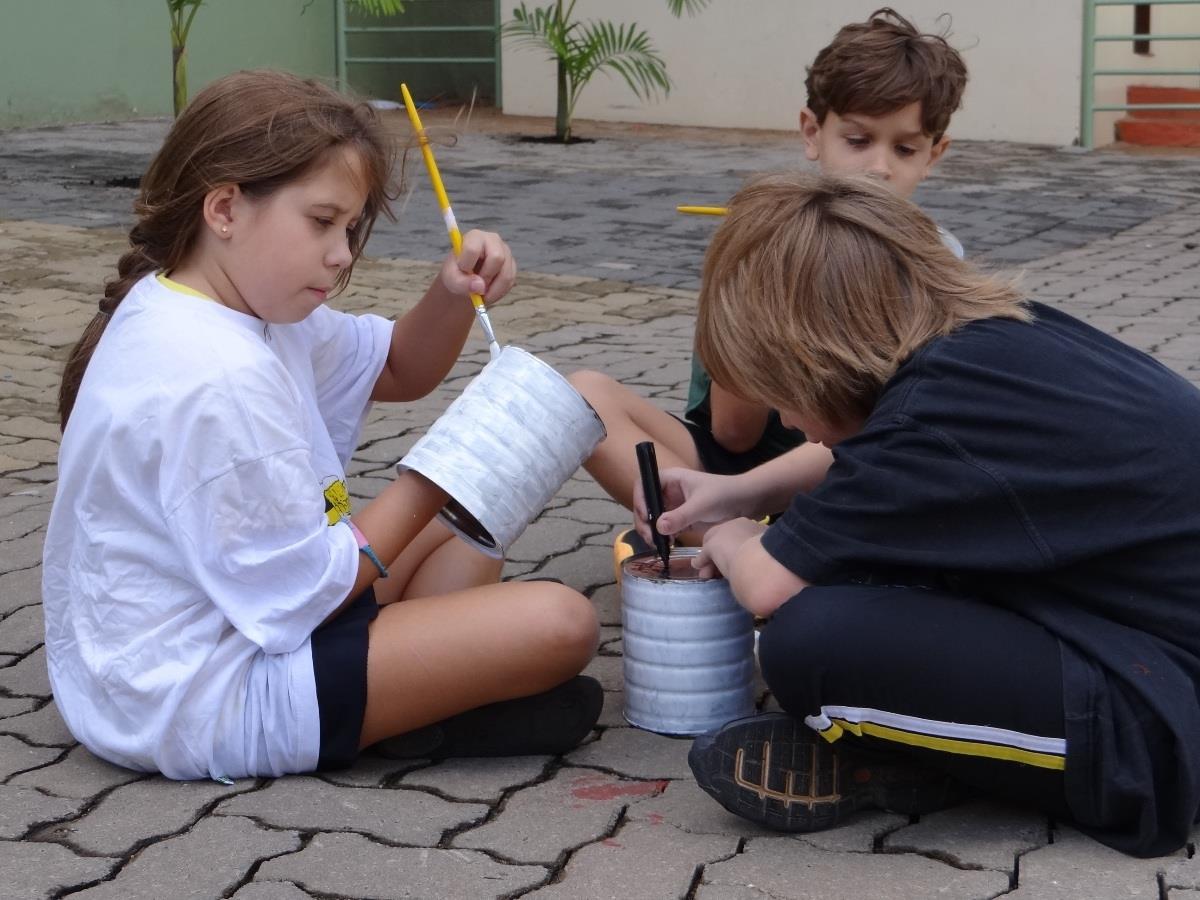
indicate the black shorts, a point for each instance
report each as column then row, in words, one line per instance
column 339, row 654
column 716, row 459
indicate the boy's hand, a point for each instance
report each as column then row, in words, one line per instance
column 485, row 266
column 691, row 501
column 722, row 543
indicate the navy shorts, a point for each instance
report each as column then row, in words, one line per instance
column 339, row 654
column 716, row 459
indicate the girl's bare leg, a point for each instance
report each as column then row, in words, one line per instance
column 430, row 658
column 630, row 419
column 436, row 562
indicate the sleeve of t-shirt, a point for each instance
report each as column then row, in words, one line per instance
column 348, row 353
column 255, row 539
column 244, row 504
column 901, row 495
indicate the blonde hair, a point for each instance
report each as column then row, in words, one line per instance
column 816, row 289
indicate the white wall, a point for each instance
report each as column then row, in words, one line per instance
column 1163, row 55
column 741, row 63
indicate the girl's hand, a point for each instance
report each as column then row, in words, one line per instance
column 722, row 543
column 691, row 501
column 485, row 266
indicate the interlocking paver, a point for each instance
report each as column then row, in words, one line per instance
column 572, row 808
column 79, row 775
column 208, row 861
column 397, row 816
column 18, row 756
column 478, row 779
column 1074, row 866
column 43, row 726
column 32, row 871
column 22, row 808
column 773, row 867
column 643, row 859
column 27, row 677
column 608, row 281
column 134, row 814
column 636, row 753
column 978, row 835
column 349, row 865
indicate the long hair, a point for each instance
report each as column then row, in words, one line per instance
column 260, row 130
column 883, row 64
column 815, row 290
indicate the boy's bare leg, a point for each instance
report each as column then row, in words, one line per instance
column 436, row 562
column 630, row 419
column 434, row 657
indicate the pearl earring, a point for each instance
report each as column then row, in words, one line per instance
column 224, row 229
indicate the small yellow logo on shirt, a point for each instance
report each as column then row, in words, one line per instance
column 337, row 500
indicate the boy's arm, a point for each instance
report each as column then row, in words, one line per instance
column 760, row 583
column 700, row 498
column 737, row 425
column 777, row 481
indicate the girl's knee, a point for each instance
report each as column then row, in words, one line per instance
column 565, row 621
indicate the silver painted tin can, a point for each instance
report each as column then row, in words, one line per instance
column 688, row 646
column 504, row 447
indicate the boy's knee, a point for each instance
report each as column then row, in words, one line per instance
column 812, row 631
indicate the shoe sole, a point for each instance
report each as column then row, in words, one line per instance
column 774, row 770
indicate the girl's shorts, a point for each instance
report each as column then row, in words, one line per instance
column 339, row 654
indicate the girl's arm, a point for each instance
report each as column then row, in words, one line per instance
column 391, row 521
column 427, row 340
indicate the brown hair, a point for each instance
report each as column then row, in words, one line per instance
column 259, row 130
column 816, row 289
column 883, row 64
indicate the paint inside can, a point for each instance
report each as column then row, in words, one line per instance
column 688, row 647
column 504, row 447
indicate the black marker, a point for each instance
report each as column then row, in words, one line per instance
column 652, row 489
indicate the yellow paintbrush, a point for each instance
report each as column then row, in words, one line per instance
column 702, row 210
column 447, row 213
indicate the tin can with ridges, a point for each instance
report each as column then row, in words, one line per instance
column 689, row 648
column 504, row 447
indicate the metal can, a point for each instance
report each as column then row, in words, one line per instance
column 504, row 447
column 689, row 648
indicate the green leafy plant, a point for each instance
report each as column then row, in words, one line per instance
column 182, row 13
column 581, row 49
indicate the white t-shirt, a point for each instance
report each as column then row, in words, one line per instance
column 196, row 538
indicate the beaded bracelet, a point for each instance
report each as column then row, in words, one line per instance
column 366, row 549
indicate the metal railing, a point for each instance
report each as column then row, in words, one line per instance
column 1090, row 72
column 344, row 59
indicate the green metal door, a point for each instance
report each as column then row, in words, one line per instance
column 447, row 51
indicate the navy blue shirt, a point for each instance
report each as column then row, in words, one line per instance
column 1053, row 470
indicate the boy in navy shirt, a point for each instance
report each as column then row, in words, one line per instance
column 996, row 583
column 880, row 97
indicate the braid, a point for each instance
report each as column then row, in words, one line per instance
column 136, row 263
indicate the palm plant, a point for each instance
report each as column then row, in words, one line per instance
column 581, row 49
column 182, row 13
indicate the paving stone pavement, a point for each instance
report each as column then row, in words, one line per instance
column 609, row 272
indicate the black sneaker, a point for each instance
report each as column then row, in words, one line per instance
column 552, row 722
column 774, row 770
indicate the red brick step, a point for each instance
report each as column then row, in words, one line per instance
column 1161, row 127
